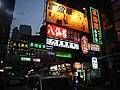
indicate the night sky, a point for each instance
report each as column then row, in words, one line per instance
column 28, row 12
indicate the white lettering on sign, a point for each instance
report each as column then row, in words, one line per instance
column 94, row 47
column 62, row 43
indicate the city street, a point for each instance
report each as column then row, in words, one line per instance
column 81, row 88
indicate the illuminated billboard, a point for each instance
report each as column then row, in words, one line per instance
column 65, row 16
column 62, row 33
column 94, row 63
column 84, row 44
column 96, row 27
column 62, row 43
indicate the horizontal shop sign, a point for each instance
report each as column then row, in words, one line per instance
column 93, row 47
column 62, row 43
column 66, row 16
column 63, row 33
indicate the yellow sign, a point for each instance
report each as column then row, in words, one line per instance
column 65, row 16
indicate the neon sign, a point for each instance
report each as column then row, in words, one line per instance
column 18, row 45
column 62, row 33
column 104, row 21
column 63, row 54
column 62, row 43
column 84, row 44
column 37, row 45
column 96, row 27
column 25, row 59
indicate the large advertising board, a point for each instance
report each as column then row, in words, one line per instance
column 62, row 33
column 65, row 16
column 96, row 27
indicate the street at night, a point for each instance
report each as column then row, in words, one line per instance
column 59, row 44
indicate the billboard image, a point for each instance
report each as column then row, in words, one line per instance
column 65, row 16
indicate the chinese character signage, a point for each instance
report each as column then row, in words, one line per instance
column 93, row 47
column 62, row 33
column 62, row 43
column 65, row 16
column 104, row 21
column 96, row 28
column 18, row 45
column 94, row 63
column 84, row 44
column 37, row 45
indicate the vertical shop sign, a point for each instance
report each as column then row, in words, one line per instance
column 94, row 63
column 96, row 27
column 84, row 44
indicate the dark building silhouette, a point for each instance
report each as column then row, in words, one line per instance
column 24, row 30
column 6, row 16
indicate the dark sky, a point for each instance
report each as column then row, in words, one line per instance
column 28, row 12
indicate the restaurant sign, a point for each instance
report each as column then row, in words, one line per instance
column 96, row 27
column 62, row 43
column 65, row 16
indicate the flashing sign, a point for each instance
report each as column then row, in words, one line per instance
column 96, row 27
column 94, row 63
column 65, row 16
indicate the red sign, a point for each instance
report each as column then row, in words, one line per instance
column 77, row 65
column 104, row 23
column 84, row 44
column 56, row 31
column 62, row 33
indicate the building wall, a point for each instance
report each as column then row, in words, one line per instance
column 116, row 12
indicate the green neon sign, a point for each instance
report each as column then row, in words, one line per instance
column 65, row 55
column 37, row 45
column 96, row 27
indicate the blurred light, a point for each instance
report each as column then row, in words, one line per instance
column 54, row 9
column 74, row 16
column 84, row 8
column 1, row 70
column 1, row 61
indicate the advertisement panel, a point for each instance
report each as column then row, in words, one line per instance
column 62, row 43
column 96, row 27
column 62, row 33
column 65, row 16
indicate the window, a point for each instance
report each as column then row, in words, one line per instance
column 117, row 25
column 118, row 35
column 117, row 15
column 116, row 5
